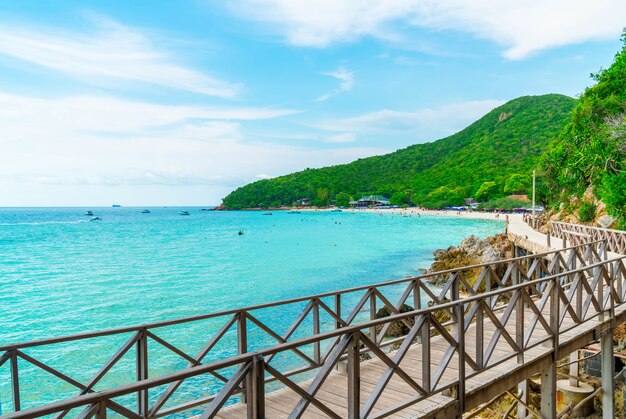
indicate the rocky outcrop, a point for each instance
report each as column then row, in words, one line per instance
column 397, row 328
column 471, row 251
column 587, row 209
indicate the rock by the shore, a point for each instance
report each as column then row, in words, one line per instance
column 471, row 251
column 397, row 328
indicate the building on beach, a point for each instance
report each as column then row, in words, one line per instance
column 370, row 201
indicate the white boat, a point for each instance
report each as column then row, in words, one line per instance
column 146, row 211
column 184, row 213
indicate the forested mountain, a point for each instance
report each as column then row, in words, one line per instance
column 590, row 153
column 492, row 157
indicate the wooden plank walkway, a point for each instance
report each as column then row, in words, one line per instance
column 479, row 389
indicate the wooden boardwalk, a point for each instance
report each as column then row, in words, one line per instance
column 478, row 389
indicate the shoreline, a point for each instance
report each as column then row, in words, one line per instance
column 416, row 211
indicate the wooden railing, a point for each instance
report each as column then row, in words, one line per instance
column 555, row 281
column 578, row 234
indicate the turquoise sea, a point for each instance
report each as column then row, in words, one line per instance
column 62, row 274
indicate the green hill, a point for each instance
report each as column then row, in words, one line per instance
column 492, row 157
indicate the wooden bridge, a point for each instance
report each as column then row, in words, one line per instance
column 487, row 329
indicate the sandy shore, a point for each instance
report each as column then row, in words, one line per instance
column 415, row 212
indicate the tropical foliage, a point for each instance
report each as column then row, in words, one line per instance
column 591, row 150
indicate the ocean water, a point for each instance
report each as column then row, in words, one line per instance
column 62, row 274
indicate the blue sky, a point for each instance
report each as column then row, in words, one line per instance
column 166, row 103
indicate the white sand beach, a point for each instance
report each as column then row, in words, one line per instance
column 419, row 211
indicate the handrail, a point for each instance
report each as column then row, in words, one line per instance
column 552, row 291
column 579, row 233
column 609, row 230
column 154, row 325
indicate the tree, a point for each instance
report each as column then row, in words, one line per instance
column 401, row 198
column 321, row 197
column 614, row 195
column 342, row 199
column 487, row 191
column 517, row 184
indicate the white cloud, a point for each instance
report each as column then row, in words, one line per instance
column 425, row 123
column 521, row 26
column 346, row 81
column 109, row 52
column 109, row 114
column 342, row 138
column 100, row 150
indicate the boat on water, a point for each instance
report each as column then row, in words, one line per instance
column 146, row 211
column 116, row 206
column 293, row 212
column 336, row 210
column 267, row 213
column 89, row 213
column 96, row 219
column 183, row 213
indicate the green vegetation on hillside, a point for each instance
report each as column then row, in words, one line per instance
column 591, row 150
column 489, row 159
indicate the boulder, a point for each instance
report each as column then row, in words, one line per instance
column 397, row 328
column 606, row 221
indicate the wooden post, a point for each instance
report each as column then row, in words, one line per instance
column 522, row 390
column 608, row 372
column 316, row 331
column 480, row 333
column 242, row 345
column 606, row 346
column 548, row 236
column 102, row 410
column 372, row 314
column 548, row 376
column 354, row 378
column 573, row 368
column 454, row 296
column 142, row 372
column 417, row 304
column 338, row 310
column 15, row 382
column 425, row 338
column 460, row 314
column 548, row 392
column 256, row 386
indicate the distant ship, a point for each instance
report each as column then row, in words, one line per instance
column 267, row 213
column 146, row 211
column 116, row 205
column 293, row 212
column 184, row 213
column 89, row 213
